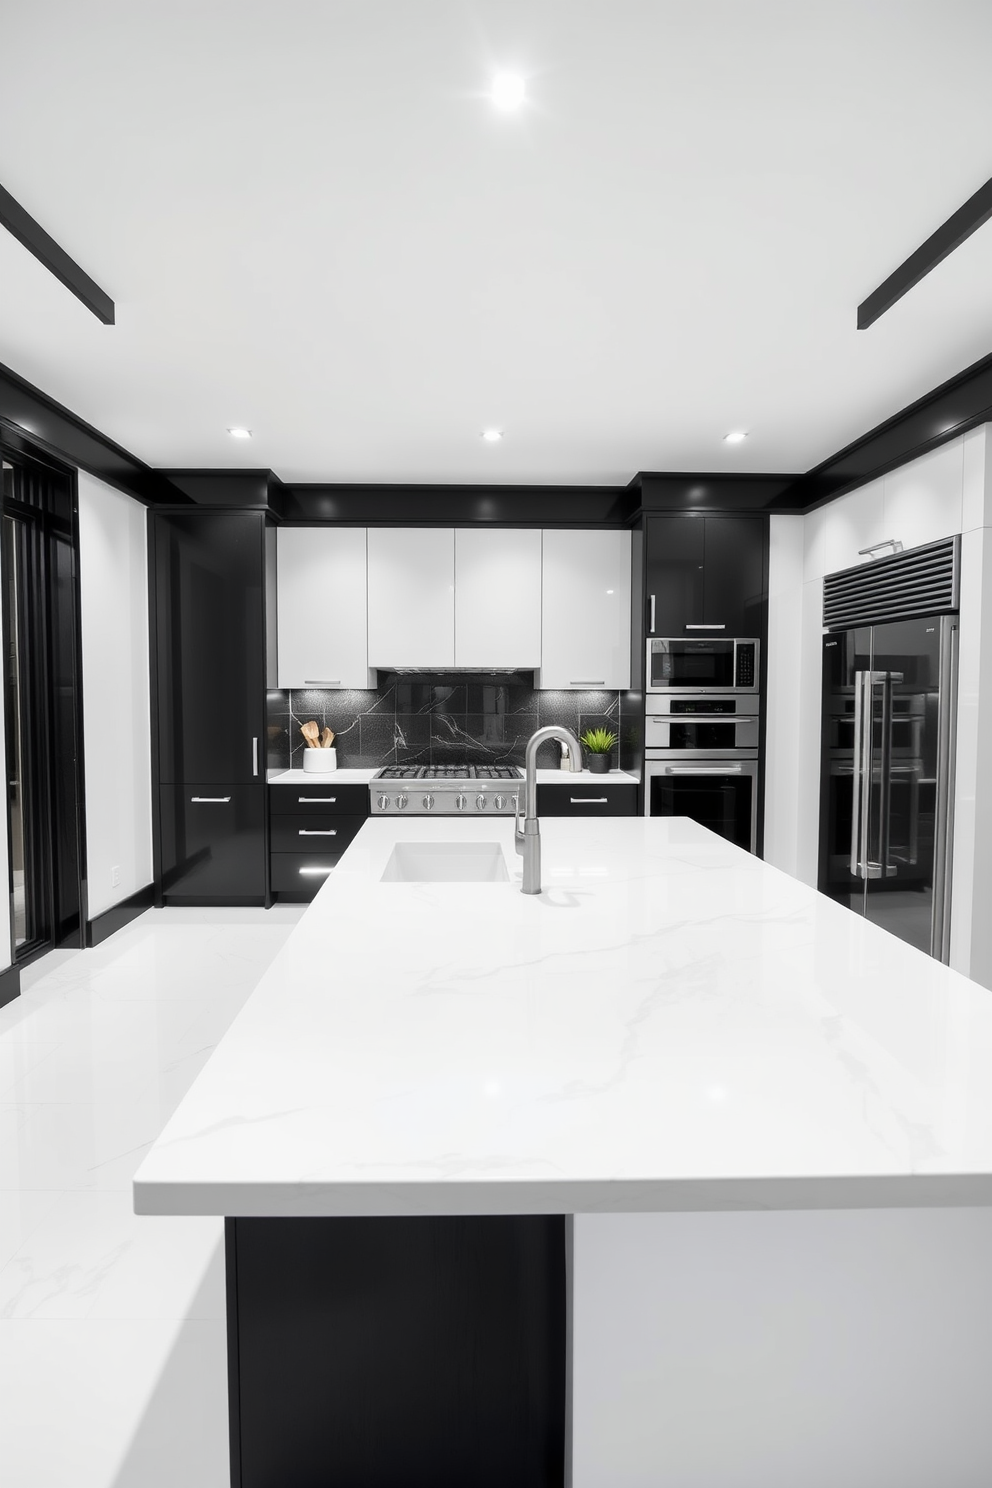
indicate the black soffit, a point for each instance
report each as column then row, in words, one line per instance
column 961, row 403
column 21, row 225
column 950, row 235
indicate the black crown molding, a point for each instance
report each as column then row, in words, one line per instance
column 457, row 505
column 31, row 416
column 961, row 403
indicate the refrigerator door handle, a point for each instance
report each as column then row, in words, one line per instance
column 940, row 922
column 859, row 814
column 884, row 868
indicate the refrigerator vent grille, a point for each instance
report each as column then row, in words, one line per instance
column 921, row 581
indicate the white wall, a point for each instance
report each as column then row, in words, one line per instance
column 937, row 496
column 116, row 738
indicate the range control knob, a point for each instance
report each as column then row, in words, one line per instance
column 402, row 802
column 383, row 803
column 428, row 803
column 461, row 802
column 499, row 802
column 480, row 802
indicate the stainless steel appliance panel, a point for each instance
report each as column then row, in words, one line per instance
column 888, row 742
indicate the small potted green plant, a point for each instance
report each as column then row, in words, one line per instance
column 598, row 744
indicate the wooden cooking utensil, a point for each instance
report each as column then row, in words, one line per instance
column 311, row 733
column 327, row 738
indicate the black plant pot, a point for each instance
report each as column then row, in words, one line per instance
column 599, row 764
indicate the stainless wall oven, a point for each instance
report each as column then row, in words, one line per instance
column 690, row 727
column 701, row 761
column 690, row 665
column 721, row 794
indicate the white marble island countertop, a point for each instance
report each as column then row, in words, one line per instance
column 671, row 1025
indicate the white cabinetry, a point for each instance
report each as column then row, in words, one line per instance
column 411, row 597
column 322, row 607
column 497, row 597
column 586, row 610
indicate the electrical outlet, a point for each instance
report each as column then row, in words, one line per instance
column 115, row 876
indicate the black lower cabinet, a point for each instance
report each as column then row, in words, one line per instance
column 588, row 799
column 213, row 844
column 422, row 1352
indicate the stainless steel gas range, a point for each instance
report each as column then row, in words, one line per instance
column 446, row 790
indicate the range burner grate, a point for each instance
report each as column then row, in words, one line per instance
column 449, row 772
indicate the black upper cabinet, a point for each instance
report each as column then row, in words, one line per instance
column 210, row 651
column 707, row 571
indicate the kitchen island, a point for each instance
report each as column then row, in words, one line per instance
column 676, row 1173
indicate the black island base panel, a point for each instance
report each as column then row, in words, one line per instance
column 397, row 1352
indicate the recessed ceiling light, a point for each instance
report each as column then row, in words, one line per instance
column 239, row 433
column 508, row 90
column 735, row 437
column 492, row 436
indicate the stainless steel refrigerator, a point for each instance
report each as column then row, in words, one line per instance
column 889, row 701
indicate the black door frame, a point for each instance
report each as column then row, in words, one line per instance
column 49, row 503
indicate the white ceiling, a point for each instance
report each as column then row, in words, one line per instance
column 314, row 224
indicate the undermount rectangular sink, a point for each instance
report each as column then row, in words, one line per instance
column 446, row 862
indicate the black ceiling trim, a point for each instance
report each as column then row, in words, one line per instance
column 710, row 491
column 43, row 246
column 950, row 235
column 456, row 505
column 55, row 431
column 235, row 488
column 959, row 404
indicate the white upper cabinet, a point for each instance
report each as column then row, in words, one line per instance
column 586, row 610
column 411, row 597
column 497, row 597
column 322, row 607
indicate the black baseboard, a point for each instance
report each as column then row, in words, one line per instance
column 10, row 984
column 119, row 915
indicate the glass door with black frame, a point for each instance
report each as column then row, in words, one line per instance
column 26, row 796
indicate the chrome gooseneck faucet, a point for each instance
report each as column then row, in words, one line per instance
column 527, row 830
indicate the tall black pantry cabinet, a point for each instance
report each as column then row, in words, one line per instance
column 208, row 728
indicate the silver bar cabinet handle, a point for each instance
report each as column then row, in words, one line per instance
column 588, row 800
column 254, row 756
column 322, row 832
column 707, row 626
column 587, row 682
column 213, row 800
column 652, row 614
column 321, row 681
column 316, row 800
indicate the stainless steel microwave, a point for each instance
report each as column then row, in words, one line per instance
column 682, row 664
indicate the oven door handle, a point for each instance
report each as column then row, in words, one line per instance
column 728, row 769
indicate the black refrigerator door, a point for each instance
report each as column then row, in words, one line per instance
column 210, row 651
column 846, row 655
column 905, row 767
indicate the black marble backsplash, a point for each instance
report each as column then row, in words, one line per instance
column 428, row 720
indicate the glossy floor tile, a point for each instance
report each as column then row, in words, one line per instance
column 112, row 1341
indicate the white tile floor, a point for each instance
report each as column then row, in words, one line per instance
column 112, row 1343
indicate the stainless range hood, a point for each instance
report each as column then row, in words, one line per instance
column 524, row 676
